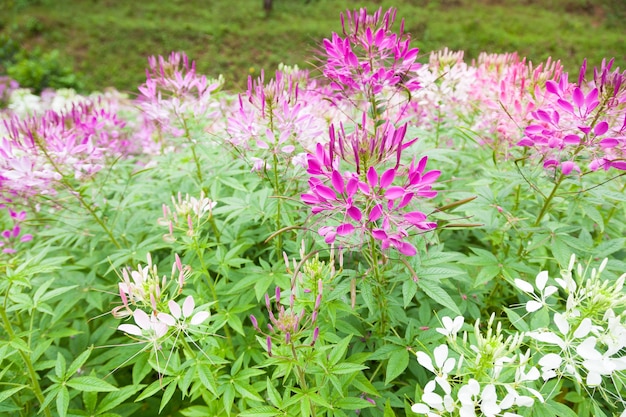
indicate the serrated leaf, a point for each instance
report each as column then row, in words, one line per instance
column 167, row 395
column 434, row 291
column 347, row 368
column 247, row 391
column 272, row 393
column 8, row 393
column 339, row 350
column 63, row 401
column 78, row 362
column 206, row 377
column 60, row 366
column 351, row 403
column 153, row 388
column 409, row 289
column 398, row 362
column 263, row 411
column 90, row 383
column 115, row 398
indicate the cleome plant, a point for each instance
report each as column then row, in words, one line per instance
column 387, row 238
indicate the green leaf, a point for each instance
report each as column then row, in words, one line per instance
column 155, row 387
column 561, row 410
column 167, row 395
column 351, row 403
column 272, row 393
column 78, row 362
column 434, row 291
column 196, row 411
column 60, row 366
column 516, row 320
column 409, row 289
column 8, row 393
column 115, row 398
column 388, row 410
column 63, row 401
column 347, row 368
column 90, row 383
column 263, row 411
column 206, row 377
column 90, row 399
column 339, row 350
column 247, row 391
column 398, row 362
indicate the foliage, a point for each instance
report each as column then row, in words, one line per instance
column 385, row 238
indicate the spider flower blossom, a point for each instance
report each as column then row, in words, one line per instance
column 374, row 204
column 280, row 117
column 144, row 288
column 174, row 91
column 38, row 151
column 582, row 122
column 370, row 57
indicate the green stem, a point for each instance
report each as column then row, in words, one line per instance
column 543, row 211
column 277, row 191
column 29, row 365
column 546, row 203
column 212, row 283
column 193, row 151
column 301, row 378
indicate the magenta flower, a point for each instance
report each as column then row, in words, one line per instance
column 12, row 236
column 581, row 122
column 373, row 206
column 370, row 57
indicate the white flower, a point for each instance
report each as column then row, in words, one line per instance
column 548, row 364
column 148, row 327
column 442, row 361
column 468, row 396
column 451, row 327
column 187, row 311
column 545, row 292
column 596, row 363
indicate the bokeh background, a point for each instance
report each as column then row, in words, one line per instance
column 93, row 44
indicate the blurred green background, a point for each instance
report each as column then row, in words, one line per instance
column 93, row 44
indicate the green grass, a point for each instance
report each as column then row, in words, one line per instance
column 108, row 41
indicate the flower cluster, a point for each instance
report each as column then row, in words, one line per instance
column 488, row 373
column 370, row 57
column 39, row 151
column 151, row 302
column 588, row 338
column 189, row 214
column 581, row 122
column 277, row 120
column 290, row 325
column 371, row 203
column 143, row 288
column 371, row 200
column 174, row 92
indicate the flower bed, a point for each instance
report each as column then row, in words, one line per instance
column 390, row 238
